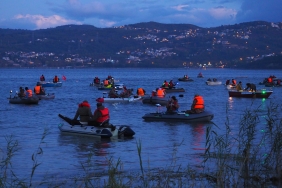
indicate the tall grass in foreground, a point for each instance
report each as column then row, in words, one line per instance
column 251, row 157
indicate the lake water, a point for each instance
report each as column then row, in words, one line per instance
column 64, row 155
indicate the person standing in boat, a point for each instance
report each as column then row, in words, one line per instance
column 101, row 116
column 56, row 79
column 83, row 112
column 172, row 105
column 42, row 78
column 251, row 87
column 198, row 105
column 28, row 92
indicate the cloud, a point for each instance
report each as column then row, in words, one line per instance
column 41, row 22
column 260, row 10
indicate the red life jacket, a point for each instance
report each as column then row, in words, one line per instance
column 29, row 91
column 105, row 115
column 200, row 102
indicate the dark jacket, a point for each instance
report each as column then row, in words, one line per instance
column 84, row 113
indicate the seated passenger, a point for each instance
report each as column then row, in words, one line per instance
column 197, row 106
column 83, row 112
column 172, row 105
column 140, row 91
column 28, row 92
column 113, row 93
column 21, row 92
column 56, row 79
column 239, row 86
column 251, row 87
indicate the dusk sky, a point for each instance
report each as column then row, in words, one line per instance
column 42, row 14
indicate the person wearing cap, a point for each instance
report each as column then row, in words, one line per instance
column 83, row 112
column 198, row 105
column 28, row 92
column 172, row 105
column 101, row 114
column 239, row 86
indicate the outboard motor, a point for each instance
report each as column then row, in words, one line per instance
column 125, row 131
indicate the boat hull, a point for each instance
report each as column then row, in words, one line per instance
column 185, row 79
column 76, row 127
column 47, row 96
column 247, row 94
column 50, row 84
column 118, row 100
column 181, row 116
column 155, row 100
column 174, row 90
column 212, row 83
column 18, row 100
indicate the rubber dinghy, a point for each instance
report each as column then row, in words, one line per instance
column 76, row 127
column 118, row 99
column 23, row 100
column 178, row 116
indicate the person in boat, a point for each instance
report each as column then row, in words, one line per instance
column 171, row 84
column 270, row 80
column 106, row 82
column 200, row 75
column 42, row 78
column 165, row 84
column 126, row 92
column 239, row 86
column 83, row 112
column 38, row 90
column 227, row 82
column 96, row 80
column 198, row 105
column 21, row 92
column 101, row 116
column 233, row 82
column 28, row 92
column 214, row 80
column 113, row 93
column 185, row 77
column 160, row 92
column 56, row 79
column 251, row 87
column 172, row 105
column 278, row 82
column 140, row 91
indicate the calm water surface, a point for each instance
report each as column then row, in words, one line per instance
column 161, row 142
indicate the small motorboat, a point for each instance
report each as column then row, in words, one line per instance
column 109, row 131
column 248, row 94
column 155, row 100
column 117, row 87
column 184, row 79
column 46, row 96
column 178, row 116
column 23, row 100
column 213, row 83
column 119, row 99
column 173, row 89
column 50, row 84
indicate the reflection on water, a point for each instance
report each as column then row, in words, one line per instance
column 162, row 142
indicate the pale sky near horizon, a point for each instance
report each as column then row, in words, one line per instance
column 42, row 14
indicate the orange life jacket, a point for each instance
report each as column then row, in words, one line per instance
column 29, row 91
column 37, row 89
column 200, row 102
column 105, row 115
column 160, row 93
column 140, row 92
